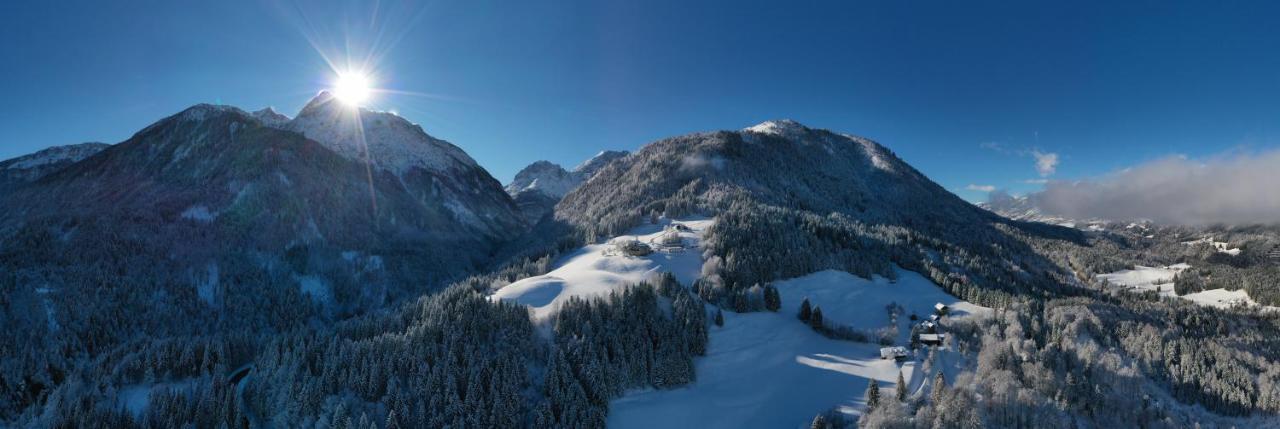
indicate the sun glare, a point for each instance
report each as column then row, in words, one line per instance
column 352, row 89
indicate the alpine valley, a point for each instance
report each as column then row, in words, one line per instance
column 344, row 269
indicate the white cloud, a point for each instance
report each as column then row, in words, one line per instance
column 1237, row 189
column 1046, row 162
column 980, row 188
column 1035, row 181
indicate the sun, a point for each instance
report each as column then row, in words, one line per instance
column 352, row 89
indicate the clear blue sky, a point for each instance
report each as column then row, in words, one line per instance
column 962, row 90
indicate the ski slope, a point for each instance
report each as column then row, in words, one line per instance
column 769, row 370
column 589, row 272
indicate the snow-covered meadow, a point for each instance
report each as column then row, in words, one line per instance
column 770, row 370
column 1160, row 279
column 762, row 369
column 588, row 272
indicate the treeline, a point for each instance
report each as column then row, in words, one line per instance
column 604, row 346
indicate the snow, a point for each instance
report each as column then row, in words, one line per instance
column 784, row 128
column 270, row 118
column 762, row 369
column 1149, row 278
column 858, row 302
column 201, row 111
column 546, row 177
column 56, row 154
column 198, row 213
column 588, row 272
column 874, row 152
column 391, row 142
column 1220, row 246
column 769, row 370
column 1146, row 278
column 316, row 287
column 134, row 398
column 1220, row 298
column 206, row 287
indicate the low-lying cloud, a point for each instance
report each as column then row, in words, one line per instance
column 1231, row 190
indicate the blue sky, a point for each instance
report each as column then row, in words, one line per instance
column 965, row 91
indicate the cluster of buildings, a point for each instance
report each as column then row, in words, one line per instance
column 669, row 241
column 929, row 334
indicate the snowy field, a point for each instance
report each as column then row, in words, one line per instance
column 858, row 302
column 1161, row 279
column 588, row 272
column 762, row 370
column 1146, row 278
column 769, row 370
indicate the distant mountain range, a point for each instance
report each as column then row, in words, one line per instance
column 538, row 187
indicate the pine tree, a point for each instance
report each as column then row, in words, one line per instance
column 819, row 422
column 902, row 388
column 772, row 301
column 938, row 388
column 815, row 319
column 719, row 317
column 805, row 310
column 873, row 394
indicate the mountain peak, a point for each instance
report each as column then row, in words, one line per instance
column 389, row 141
column 270, row 117
column 203, row 110
column 544, row 176
column 589, row 167
column 780, row 127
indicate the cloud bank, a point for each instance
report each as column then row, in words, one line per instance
column 980, row 188
column 1240, row 189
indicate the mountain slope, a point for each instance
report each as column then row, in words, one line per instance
column 212, row 218
column 538, row 187
column 822, row 199
column 29, row 168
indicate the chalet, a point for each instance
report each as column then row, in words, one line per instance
column 681, row 227
column 932, row 339
column 941, row 309
column 929, row 326
column 933, row 318
column 895, row 353
column 633, row 248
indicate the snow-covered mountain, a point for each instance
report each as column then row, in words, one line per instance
column 588, row 168
column 545, row 177
column 781, row 188
column 214, row 193
column 386, row 140
column 29, row 168
column 538, row 187
column 1024, row 208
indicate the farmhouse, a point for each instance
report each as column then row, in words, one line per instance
column 632, row 248
column 932, row 339
column 895, row 353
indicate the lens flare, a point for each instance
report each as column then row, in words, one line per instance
column 352, row 89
